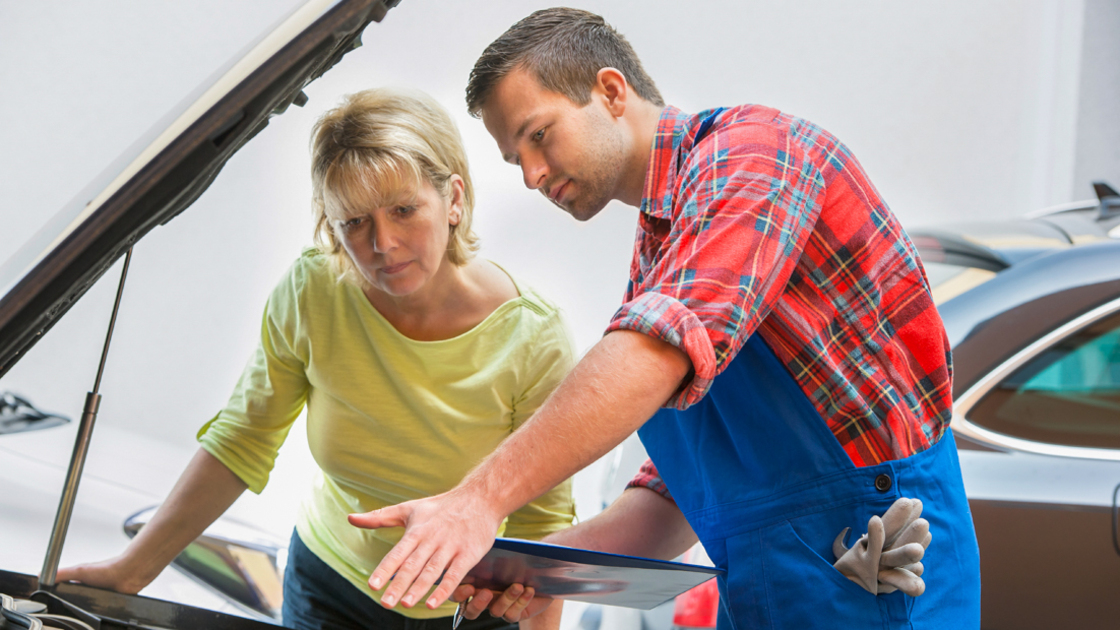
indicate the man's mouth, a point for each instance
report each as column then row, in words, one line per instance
column 558, row 192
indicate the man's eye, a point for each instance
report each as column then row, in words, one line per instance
column 537, row 137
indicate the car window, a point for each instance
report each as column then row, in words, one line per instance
column 948, row 281
column 1069, row 394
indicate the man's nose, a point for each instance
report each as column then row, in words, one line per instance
column 535, row 172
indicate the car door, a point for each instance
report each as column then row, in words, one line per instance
column 1041, row 459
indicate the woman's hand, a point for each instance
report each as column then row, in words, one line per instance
column 114, row 574
column 517, row 603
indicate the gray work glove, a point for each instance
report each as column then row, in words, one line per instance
column 888, row 557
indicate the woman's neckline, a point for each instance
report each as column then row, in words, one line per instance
column 480, row 325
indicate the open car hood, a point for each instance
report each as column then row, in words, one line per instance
column 170, row 166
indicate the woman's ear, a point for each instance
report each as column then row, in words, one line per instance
column 455, row 208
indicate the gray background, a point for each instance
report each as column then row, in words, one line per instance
column 957, row 109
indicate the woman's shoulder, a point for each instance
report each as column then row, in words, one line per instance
column 310, row 278
column 527, row 297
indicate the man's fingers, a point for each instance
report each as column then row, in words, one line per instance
column 479, row 604
column 433, row 568
column 391, row 563
column 463, row 593
column 513, row 614
column 408, row 576
column 451, row 578
column 393, row 516
column 503, row 603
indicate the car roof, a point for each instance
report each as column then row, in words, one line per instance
column 990, row 323
column 170, row 166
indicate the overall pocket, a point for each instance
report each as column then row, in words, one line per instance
column 804, row 590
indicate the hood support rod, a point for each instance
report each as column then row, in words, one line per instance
column 81, row 446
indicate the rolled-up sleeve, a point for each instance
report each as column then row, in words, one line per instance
column 247, row 434
column 649, row 478
column 739, row 225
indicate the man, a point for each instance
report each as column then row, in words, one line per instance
column 778, row 313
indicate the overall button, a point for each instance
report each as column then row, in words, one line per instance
column 883, row 482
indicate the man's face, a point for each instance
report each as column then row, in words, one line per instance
column 573, row 154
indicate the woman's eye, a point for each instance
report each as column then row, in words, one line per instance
column 350, row 224
column 405, row 210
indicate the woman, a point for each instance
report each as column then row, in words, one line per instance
column 413, row 358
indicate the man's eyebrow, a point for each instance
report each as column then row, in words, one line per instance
column 523, row 127
column 509, row 157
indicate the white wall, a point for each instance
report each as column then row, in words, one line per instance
column 957, row 109
column 1098, row 133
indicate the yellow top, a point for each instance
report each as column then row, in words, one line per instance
column 389, row 419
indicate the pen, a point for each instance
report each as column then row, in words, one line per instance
column 458, row 618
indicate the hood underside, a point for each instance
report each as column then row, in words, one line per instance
column 170, row 167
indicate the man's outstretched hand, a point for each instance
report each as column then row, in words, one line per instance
column 445, row 535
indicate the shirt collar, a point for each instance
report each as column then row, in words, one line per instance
column 657, row 193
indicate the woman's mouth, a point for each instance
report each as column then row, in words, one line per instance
column 394, row 269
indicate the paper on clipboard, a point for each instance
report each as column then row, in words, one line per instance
column 585, row 576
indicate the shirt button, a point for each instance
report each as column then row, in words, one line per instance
column 883, row 482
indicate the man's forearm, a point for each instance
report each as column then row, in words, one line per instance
column 547, row 620
column 639, row 523
column 611, row 392
column 621, row 382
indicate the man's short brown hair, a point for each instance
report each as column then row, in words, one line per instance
column 565, row 49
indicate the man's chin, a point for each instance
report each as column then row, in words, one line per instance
column 580, row 212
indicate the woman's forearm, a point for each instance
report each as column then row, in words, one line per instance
column 204, row 491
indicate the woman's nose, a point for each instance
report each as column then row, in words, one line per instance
column 384, row 237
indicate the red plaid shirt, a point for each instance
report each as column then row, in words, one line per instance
column 769, row 224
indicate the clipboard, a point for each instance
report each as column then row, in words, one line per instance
column 585, row 576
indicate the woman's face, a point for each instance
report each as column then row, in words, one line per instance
column 399, row 249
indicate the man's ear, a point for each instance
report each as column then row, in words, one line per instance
column 611, row 86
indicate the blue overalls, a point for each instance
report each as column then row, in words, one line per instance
column 767, row 488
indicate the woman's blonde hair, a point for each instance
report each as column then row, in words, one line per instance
column 374, row 150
